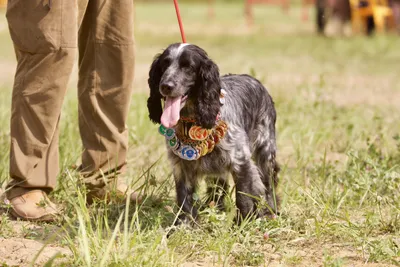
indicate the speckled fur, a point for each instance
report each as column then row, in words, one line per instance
column 248, row 151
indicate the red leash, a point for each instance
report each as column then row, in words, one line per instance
column 178, row 14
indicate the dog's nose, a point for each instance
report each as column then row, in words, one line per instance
column 167, row 87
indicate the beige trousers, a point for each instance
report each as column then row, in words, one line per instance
column 46, row 35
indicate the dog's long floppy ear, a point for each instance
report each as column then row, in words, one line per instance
column 154, row 101
column 208, row 92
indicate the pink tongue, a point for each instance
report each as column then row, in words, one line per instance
column 172, row 108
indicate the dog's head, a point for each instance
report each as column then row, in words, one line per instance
column 184, row 73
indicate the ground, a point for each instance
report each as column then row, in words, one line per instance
column 338, row 129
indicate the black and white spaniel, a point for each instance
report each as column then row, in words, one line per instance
column 189, row 83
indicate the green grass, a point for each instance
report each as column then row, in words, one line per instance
column 339, row 148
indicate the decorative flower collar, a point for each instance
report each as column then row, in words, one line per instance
column 190, row 141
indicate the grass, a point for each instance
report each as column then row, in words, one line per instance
column 339, row 150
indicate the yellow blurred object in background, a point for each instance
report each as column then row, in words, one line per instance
column 379, row 10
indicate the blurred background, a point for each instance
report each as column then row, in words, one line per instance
column 261, row 25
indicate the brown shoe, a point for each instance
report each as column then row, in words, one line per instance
column 114, row 192
column 35, row 206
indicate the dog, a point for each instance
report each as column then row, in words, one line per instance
column 236, row 115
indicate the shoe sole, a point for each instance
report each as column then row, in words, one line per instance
column 45, row 218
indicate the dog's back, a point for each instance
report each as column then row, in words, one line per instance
column 249, row 106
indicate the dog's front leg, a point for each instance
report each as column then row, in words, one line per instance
column 185, row 191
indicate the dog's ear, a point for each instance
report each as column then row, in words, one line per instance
column 209, row 89
column 154, row 101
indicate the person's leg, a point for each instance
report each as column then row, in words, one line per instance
column 396, row 14
column 45, row 46
column 106, row 67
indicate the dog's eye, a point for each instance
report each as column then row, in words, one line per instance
column 185, row 63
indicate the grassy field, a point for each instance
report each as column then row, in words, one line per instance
column 338, row 105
